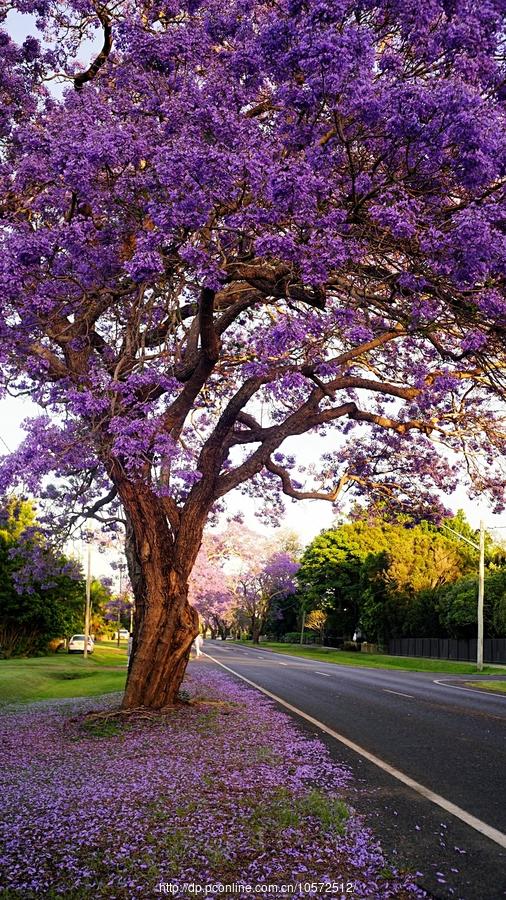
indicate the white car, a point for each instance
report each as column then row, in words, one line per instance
column 76, row 644
column 123, row 635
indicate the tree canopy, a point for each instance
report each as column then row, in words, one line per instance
column 41, row 591
column 294, row 207
column 399, row 579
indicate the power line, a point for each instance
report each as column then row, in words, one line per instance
column 5, row 444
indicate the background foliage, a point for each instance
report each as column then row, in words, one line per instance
column 401, row 579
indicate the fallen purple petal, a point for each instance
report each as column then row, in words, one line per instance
column 226, row 790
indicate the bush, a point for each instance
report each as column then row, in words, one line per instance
column 350, row 645
column 458, row 606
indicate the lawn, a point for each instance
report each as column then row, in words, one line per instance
column 63, row 675
column 379, row 660
column 495, row 686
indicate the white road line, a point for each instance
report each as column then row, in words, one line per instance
column 487, row 830
column 399, row 693
column 302, row 659
column 282, row 664
column 322, row 673
column 457, row 687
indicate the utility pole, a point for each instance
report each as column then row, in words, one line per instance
column 481, row 595
column 302, row 626
column 481, row 586
column 120, row 601
column 88, row 604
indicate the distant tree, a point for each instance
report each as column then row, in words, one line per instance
column 259, row 585
column 285, row 615
column 288, row 541
column 495, row 588
column 117, row 611
column 457, row 605
column 316, row 621
column 233, row 574
column 331, row 575
column 371, row 570
column 100, row 593
column 16, row 517
column 209, row 591
column 41, row 591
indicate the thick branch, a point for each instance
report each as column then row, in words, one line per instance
column 57, row 368
column 290, row 491
column 277, row 283
column 102, row 57
column 393, row 424
column 207, row 357
column 298, row 423
column 209, row 340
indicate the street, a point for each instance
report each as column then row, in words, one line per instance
column 449, row 740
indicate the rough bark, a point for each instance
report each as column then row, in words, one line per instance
column 138, row 585
column 165, row 623
column 163, row 644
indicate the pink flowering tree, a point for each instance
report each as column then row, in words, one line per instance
column 294, row 207
column 209, row 590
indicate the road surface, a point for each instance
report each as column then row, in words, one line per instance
column 448, row 739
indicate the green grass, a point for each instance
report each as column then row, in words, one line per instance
column 63, row 675
column 283, row 810
column 499, row 686
column 379, row 660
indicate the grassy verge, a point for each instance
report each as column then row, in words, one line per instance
column 62, row 675
column 494, row 686
column 380, row 661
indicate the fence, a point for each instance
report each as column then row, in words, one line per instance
column 494, row 649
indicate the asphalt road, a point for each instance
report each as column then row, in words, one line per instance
column 449, row 739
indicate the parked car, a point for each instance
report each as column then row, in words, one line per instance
column 76, row 644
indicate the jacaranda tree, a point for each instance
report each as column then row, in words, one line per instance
column 239, row 223
column 209, row 590
column 264, row 576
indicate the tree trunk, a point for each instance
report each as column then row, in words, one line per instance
column 255, row 631
column 138, row 585
column 224, row 632
column 165, row 623
column 163, row 645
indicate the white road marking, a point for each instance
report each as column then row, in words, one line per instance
column 457, row 687
column 487, row 830
column 282, row 664
column 301, row 659
column 399, row 694
column 322, row 673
